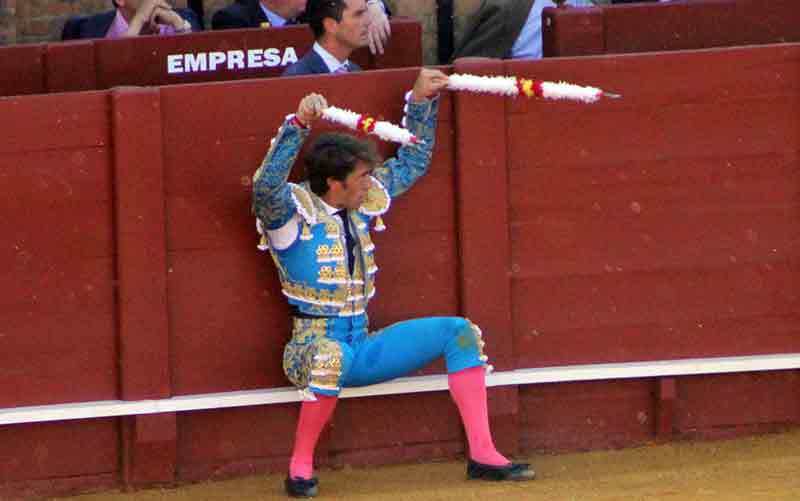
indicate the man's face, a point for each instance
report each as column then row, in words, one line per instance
column 351, row 31
column 295, row 7
column 352, row 192
column 129, row 6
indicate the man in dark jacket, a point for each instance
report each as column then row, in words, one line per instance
column 277, row 13
column 259, row 14
column 340, row 27
column 132, row 18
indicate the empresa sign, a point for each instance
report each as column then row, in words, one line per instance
column 199, row 62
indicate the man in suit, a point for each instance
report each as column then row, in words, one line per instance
column 508, row 29
column 277, row 13
column 340, row 27
column 259, row 14
column 132, row 18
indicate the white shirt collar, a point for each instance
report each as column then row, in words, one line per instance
column 274, row 19
column 330, row 60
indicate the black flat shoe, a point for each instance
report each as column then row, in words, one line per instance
column 512, row 471
column 301, row 488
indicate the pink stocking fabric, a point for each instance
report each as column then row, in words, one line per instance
column 468, row 389
column 314, row 415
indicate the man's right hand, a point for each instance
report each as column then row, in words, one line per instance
column 144, row 22
column 311, row 108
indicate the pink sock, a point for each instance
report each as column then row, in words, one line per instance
column 314, row 415
column 468, row 389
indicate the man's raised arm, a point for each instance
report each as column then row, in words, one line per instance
column 398, row 174
column 272, row 199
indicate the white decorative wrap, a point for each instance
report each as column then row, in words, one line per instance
column 384, row 130
column 571, row 92
column 504, row 86
column 509, row 86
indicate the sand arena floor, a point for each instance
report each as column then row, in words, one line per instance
column 757, row 468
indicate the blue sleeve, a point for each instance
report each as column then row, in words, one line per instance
column 272, row 197
column 399, row 173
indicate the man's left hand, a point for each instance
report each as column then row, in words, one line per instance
column 429, row 82
column 379, row 27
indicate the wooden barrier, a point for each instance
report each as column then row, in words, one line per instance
column 661, row 226
column 675, row 25
column 197, row 57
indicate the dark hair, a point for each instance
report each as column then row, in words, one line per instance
column 318, row 10
column 335, row 155
column 115, row 4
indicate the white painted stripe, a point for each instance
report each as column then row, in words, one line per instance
column 591, row 372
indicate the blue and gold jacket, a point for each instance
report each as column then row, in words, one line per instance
column 313, row 269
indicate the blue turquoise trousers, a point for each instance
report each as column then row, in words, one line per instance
column 328, row 354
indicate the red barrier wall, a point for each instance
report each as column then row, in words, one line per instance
column 656, row 227
column 676, row 25
column 198, row 57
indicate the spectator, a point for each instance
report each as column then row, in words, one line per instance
column 508, row 29
column 132, row 18
column 277, row 13
column 259, row 14
column 340, row 27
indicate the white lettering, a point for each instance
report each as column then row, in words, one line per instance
column 215, row 59
column 236, row 59
column 232, row 60
column 174, row 63
column 196, row 62
column 271, row 58
column 289, row 56
column 254, row 58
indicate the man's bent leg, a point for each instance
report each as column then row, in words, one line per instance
column 405, row 347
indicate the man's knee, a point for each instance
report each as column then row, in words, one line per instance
column 465, row 346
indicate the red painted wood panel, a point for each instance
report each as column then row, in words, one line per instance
column 238, row 441
column 368, row 431
column 71, row 66
column 43, row 123
column 586, row 415
column 669, row 26
column 737, row 400
column 645, row 230
column 63, row 449
column 58, row 279
column 640, row 28
column 627, row 316
column 28, row 75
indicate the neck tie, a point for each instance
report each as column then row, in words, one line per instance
column 342, row 69
column 350, row 242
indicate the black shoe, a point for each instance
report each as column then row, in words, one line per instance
column 301, row 488
column 511, row 471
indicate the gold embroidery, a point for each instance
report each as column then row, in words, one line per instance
column 325, row 274
column 377, row 201
column 337, row 251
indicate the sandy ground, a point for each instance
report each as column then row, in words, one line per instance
column 757, row 468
